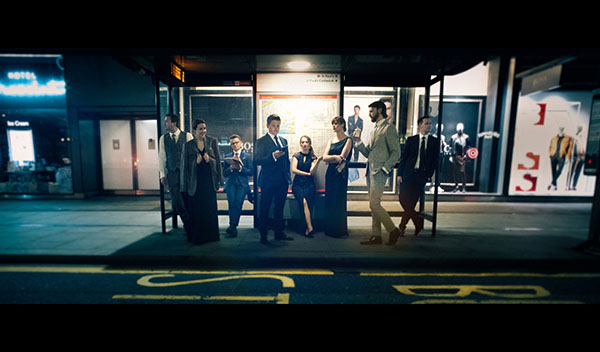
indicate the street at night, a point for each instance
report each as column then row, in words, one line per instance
column 293, row 176
column 59, row 284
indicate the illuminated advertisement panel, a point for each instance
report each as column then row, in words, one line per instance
column 549, row 146
column 306, row 104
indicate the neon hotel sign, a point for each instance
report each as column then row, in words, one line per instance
column 25, row 84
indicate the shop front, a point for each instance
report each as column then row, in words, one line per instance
column 34, row 134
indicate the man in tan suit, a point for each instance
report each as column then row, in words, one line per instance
column 382, row 152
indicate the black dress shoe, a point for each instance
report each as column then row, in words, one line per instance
column 373, row 240
column 394, row 236
column 231, row 232
column 283, row 237
column 419, row 225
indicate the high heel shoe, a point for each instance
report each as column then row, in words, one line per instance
column 310, row 234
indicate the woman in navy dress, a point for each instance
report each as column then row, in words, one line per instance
column 336, row 179
column 304, row 165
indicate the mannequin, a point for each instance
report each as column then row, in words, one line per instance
column 460, row 144
column 560, row 149
column 577, row 159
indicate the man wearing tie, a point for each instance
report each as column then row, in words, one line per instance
column 417, row 165
column 382, row 152
column 169, row 161
column 271, row 153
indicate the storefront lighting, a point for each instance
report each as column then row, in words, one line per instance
column 299, row 65
column 33, row 89
column 22, row 75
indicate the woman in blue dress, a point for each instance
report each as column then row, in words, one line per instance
column 336, row 179
column 304, row 165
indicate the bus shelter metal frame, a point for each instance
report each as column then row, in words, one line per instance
column 171, row 214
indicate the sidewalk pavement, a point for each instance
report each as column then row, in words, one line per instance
column 127, row 231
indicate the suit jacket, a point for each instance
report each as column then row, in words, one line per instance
column 353, row 123
column 189, row 166
column 565, row 148
column 271, row 170
column 238, row 178
column 406, row 168
column 383, row 149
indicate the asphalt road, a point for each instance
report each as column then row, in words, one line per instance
column 72, row 284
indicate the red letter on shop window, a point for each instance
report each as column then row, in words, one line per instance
column 536, row 162
column 531, row 179
column 542, row 114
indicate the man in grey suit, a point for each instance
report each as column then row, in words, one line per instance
column 382, row 152
column 169, row 161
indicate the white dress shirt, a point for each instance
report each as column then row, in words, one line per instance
column 162, row 155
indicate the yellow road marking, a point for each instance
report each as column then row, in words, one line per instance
column 470, row 301
column 281, row 298
column 558, row 275
column 467, row 290
column 105, row 270
column 145, row 281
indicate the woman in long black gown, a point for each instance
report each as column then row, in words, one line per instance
column 336, row 179
column 304, row 165
column 201, row 177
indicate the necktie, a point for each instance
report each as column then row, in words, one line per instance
column 173, row 136
column 422, row 152
column 277, row 141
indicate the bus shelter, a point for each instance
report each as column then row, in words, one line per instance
column 262, row 79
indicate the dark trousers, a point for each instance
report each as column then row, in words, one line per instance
column 556, row 167
column 576, row 167
column 176, row 199
column 275, row 194
column 411, row 190
column 235, row 200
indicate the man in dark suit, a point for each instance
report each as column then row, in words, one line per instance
column 354, row 122
column 417, row 164
column 236, row 185
column 271, row 153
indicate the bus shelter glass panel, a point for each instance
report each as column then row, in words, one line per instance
column 356, row 115
column 226, row 110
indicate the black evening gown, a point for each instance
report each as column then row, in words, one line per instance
column 336, row 188
column 202, row 208
column 303, row 186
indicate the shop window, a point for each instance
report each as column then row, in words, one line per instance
column 549, row 149
column 34, row 134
